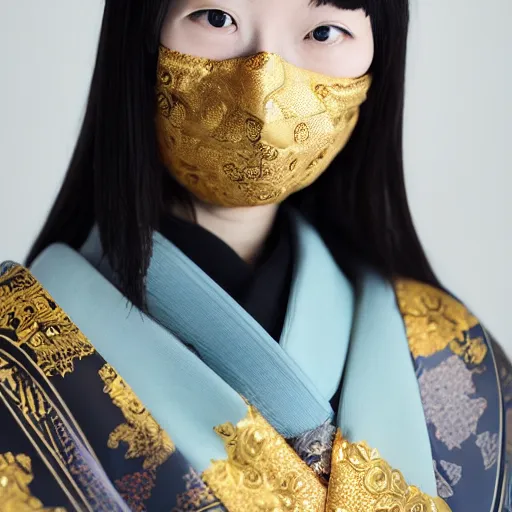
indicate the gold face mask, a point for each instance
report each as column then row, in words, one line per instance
column 250, row 131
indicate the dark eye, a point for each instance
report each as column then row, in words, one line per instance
column 322, row 34
column 328, row 34
column 214, row 17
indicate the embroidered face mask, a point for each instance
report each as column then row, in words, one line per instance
column 253, row 130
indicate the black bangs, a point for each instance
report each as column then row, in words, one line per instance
column 350, row 5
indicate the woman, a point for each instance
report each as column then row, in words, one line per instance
column 248, row 300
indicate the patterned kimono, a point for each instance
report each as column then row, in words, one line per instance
column 191, row 407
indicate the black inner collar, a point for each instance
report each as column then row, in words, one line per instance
column 263, row 288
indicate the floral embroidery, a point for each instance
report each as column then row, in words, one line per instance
column 446, row 392
column 488, row 444
column 198, row 497
column 453, row 471
column 315, row 449
column 136, row 489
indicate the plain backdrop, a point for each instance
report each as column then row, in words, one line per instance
column 458, row 146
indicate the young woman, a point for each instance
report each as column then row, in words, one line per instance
column 251, row 314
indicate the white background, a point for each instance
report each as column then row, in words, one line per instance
column 458, row 143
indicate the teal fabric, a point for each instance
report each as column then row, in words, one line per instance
column 381, row 400
column 188, row 303
column 291, row 387
column 185, row 396
column 319, row 319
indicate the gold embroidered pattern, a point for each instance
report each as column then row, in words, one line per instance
column 434, row 321
column 33, row 321
column 362, row 482
column 250, row 130
column 145, row 438
column 15, row 477
column 198, row 497
column 22, row 391
column 471, row 350
column 262, row 472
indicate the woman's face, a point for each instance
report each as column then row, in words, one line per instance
column 320, row 38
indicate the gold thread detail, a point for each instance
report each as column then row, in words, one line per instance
column 145, row 438
column 262, row 472
column 216, row 115
column 471, row 350
column 434, row 320
column 15, row 478
column 363, row 482
column 33, row 320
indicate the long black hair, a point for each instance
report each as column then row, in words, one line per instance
column 116, row 178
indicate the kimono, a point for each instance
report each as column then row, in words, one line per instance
column 388, row 396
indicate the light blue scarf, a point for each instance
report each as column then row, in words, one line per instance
column 328, row 330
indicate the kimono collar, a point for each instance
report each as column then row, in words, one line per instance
column 304, row 370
